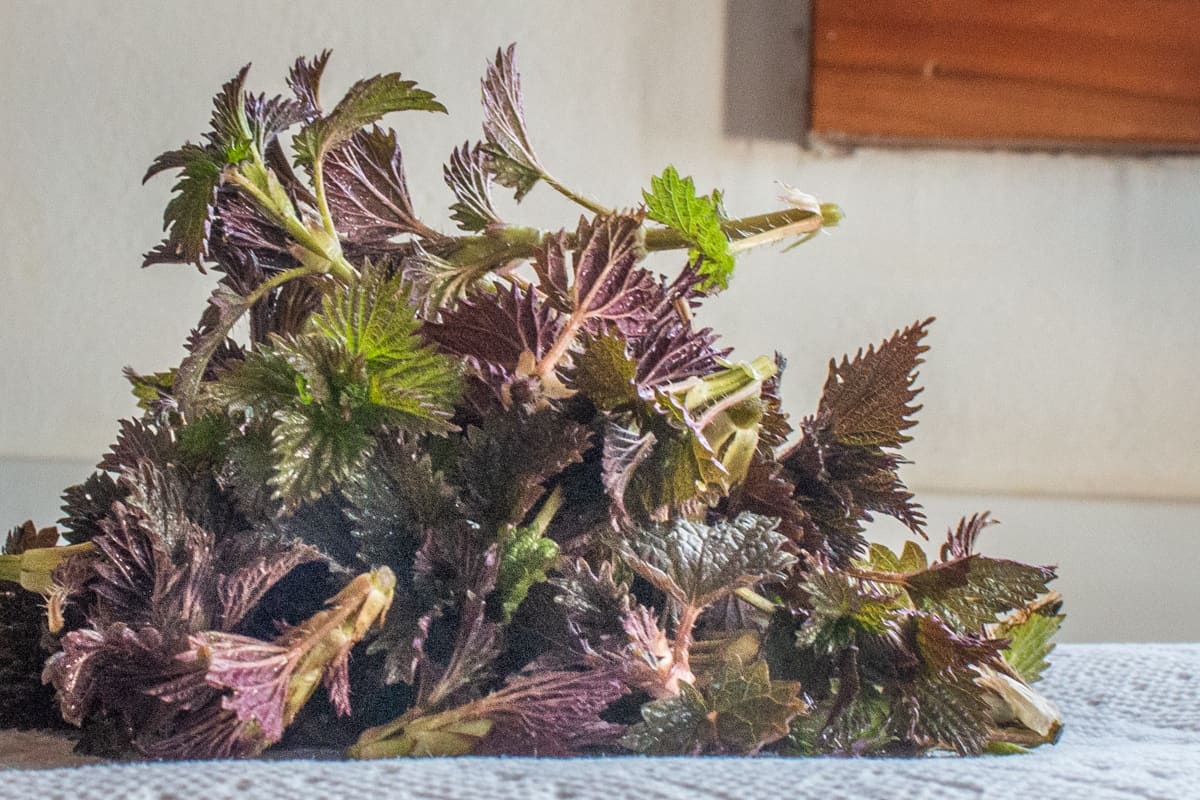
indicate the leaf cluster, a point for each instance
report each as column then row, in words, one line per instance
column 497, row 490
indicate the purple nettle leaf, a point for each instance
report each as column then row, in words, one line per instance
column 467, row 176
column 270, row 116
column 245, row 231
column 600, row 278
column 366, row 189
column 501, row 333
column 510, row 155
column 304, row 80
column 111, row 666
column 553, row 713
column 960, row 541
column 257, row 672
column 253, row 569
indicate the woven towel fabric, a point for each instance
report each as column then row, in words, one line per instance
column 1132, row 730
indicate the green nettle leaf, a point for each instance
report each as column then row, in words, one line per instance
column 740, row 712
column 1030, row 643
column 366, row 102
column 149, row 389
column 698, row 564
column 673, row 201
column 843, row 609
column 374, row 322
column 604, row 371
column 971, row 592
column 189, row 214
column 316, row 448
column 231, row 132
column 526, row 555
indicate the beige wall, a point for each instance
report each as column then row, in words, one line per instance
column 1065, row 356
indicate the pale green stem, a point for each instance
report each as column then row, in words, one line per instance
column 544, row 516
column 755, row 599
column 278, row 280
column 804, row 226
column 338, row 264
column 322, row 201
column 588, row 203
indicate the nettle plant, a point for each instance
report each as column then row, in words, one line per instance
column 496, row 491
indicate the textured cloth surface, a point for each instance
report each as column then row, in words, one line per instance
column 1132, row 730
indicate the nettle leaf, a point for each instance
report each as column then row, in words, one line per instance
column 526, row 555
column 438, row 283
column 315, row 449
column 600, row 280
column 467, row 176
column 304, row 79
column 366, row 102
column 396, row 500
column 495, row 327
column 765, row 491
column 673, row 351
column 698, row 564
column 1030, row 644
column 960, row 541
column 188, row 216
column 510, row 155
column 366, row 190
column 270, row 116
column 497, row 331
column 740, row 712
column 971, row 592
column 547, row 713
column 944, row 705
column 870, row 398
column 842, row 466
column 653, row 470
column 505, row 464
column 230, row 130
column 673, row 201
column 843, row 610
column 374, row 322
column 225, row 308
column 85, row 504
column 150, row 390
column 605, row 371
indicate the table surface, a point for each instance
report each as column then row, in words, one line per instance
column 1132, row 730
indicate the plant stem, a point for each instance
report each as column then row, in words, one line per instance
column 589, row 204
column 338, row 264
column 746, row 232
column 278, row 280
column 683, row 636
column 755, row 599
column 322, row 202
column 546, row 513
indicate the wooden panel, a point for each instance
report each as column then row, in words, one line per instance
column 1090, row 73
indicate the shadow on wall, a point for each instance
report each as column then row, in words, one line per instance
column 766, row 68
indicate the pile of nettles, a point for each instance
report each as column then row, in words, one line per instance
column 496, row 491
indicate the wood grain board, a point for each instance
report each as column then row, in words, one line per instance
column 1025, row 73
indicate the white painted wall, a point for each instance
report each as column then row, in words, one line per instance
column 1065, row 357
